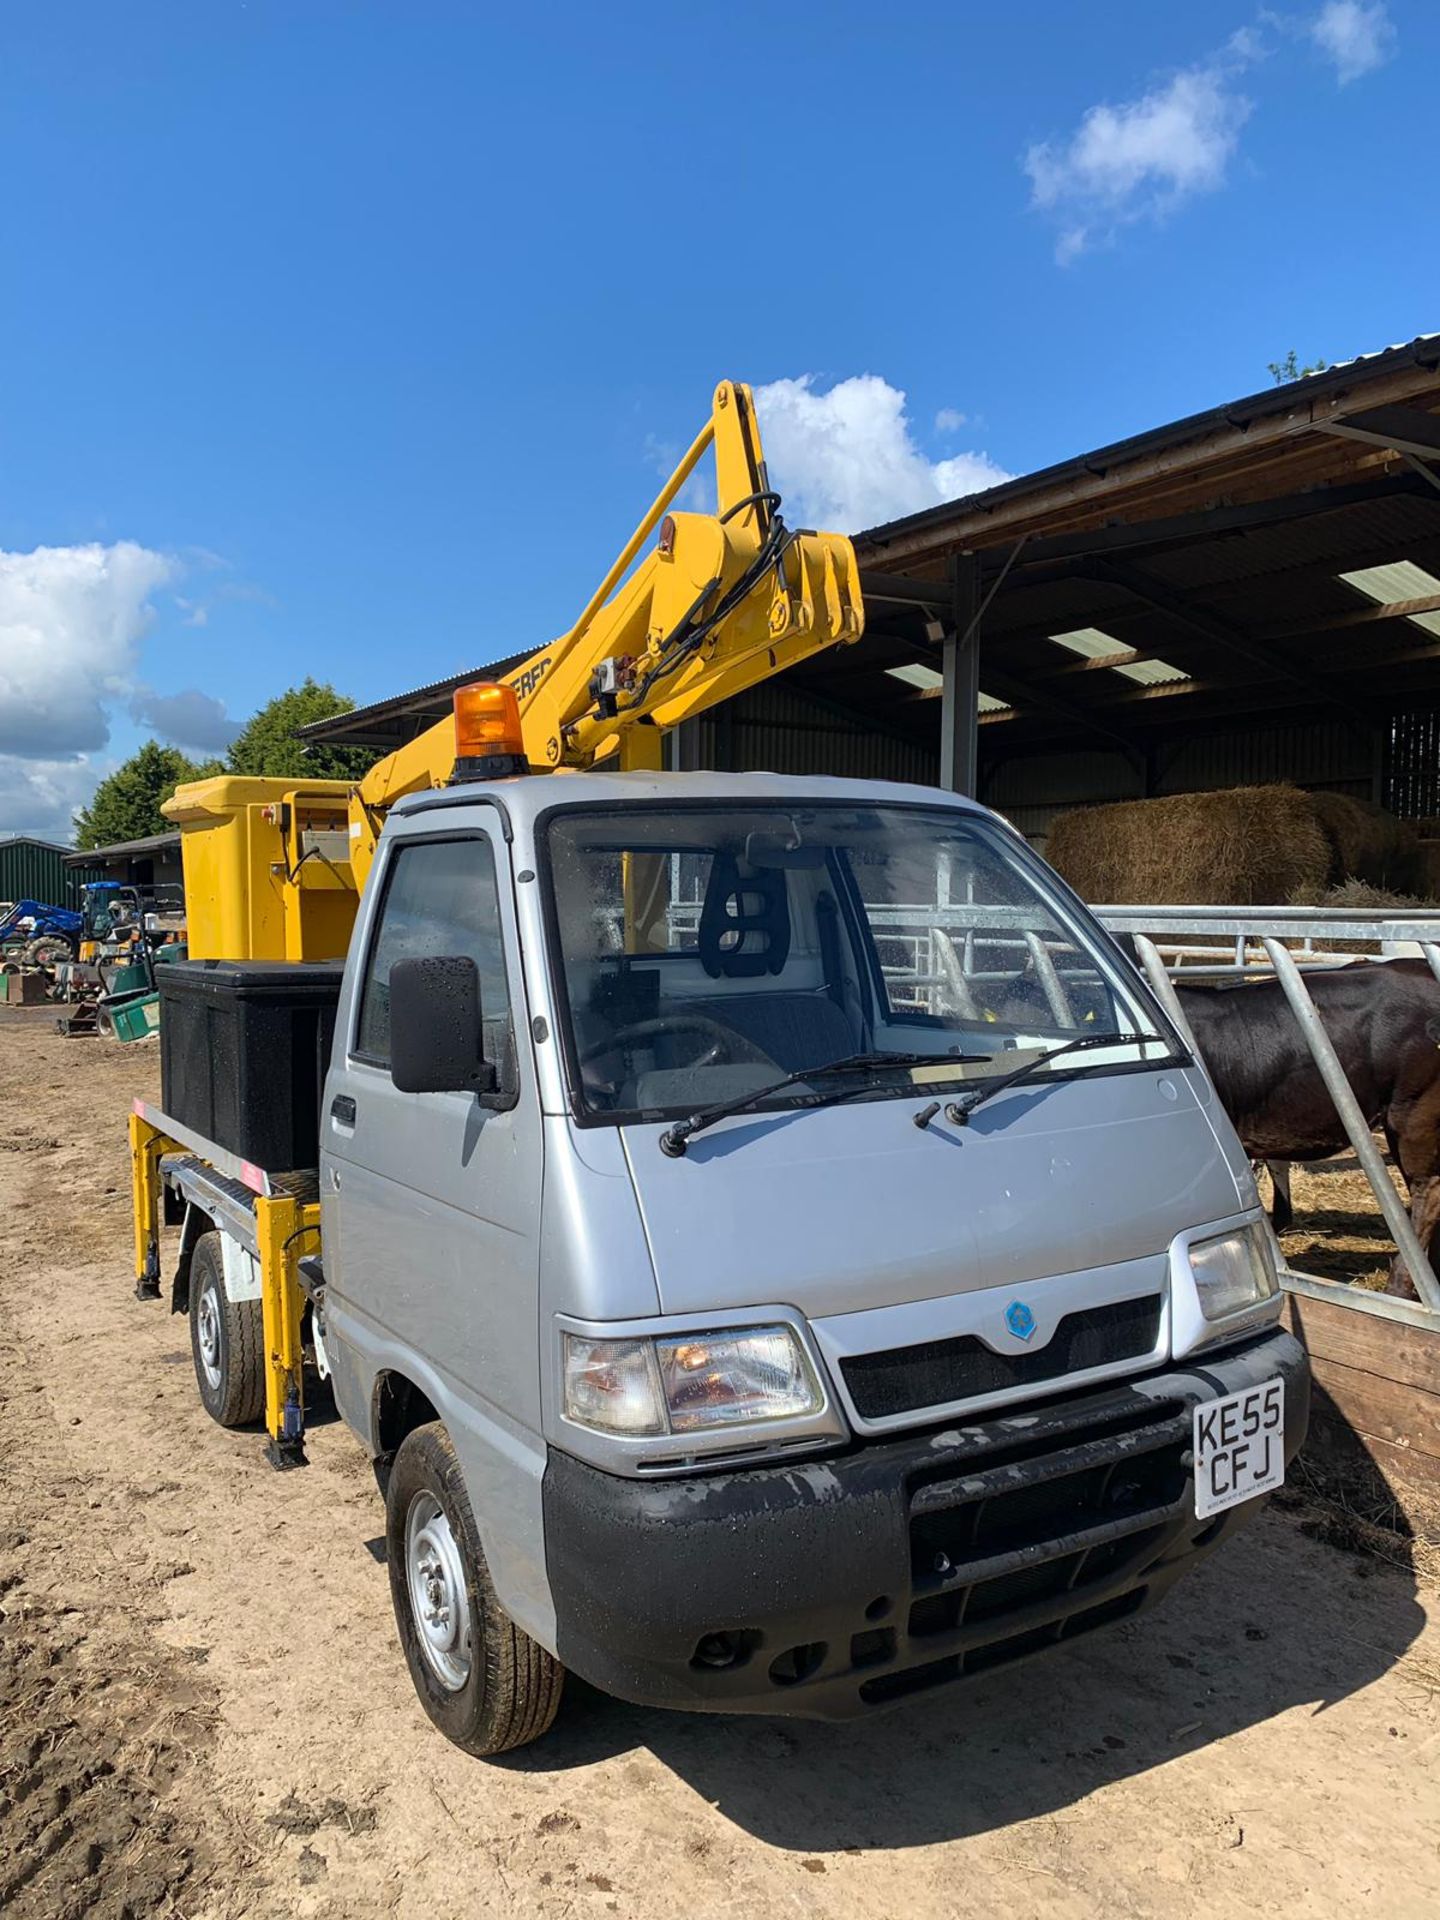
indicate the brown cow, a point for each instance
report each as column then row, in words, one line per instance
column 1383, row 1019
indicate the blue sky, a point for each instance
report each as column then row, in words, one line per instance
column 349, row 339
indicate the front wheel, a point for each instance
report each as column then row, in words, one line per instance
column 486, row 1684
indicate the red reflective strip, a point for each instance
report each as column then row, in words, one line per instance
column 253, row 1176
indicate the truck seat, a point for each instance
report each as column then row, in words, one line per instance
column 797, row 1030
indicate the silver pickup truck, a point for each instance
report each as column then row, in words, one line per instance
column 777, row 1252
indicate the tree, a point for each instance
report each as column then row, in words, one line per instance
column 126, row 806
column 1282, row 372
column 267, row 744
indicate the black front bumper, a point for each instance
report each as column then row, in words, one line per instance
column 834, row 1586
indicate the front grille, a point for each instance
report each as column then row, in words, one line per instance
column 906, row 1379
column 1020, row 1534
column 999, row 1653
column 1033, row 1549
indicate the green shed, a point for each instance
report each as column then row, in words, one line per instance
column 32, row 869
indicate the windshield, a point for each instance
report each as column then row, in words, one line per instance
column 707, row 951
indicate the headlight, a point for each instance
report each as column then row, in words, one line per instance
column 611, row 1384
column 1233, row 1271
column 689, row 1384
column 724, row 1379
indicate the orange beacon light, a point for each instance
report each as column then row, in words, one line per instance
column 489, row 743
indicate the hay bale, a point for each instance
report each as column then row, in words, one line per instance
column 1245, row 846
column 1368, row 844
column 1360, row 893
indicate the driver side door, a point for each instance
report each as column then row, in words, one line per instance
column 436, row 1196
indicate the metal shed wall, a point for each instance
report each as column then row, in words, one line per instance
column 35, row 870
column 1412, row 778
column 774, row 729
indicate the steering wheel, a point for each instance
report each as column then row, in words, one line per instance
column 726, row 1045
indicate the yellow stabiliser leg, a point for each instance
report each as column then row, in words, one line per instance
column 281, row 1225
column 146, row 1147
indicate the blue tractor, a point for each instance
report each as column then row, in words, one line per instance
column 33, row 932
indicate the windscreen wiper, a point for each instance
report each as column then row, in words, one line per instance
column 672, row 1141
column 960, row 1110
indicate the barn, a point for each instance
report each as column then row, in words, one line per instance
column 153, row 861
column 34, row 869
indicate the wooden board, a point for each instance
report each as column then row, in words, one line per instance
column 1375, row 1418
column 1353, row 1338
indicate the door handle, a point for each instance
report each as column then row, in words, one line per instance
column 342, row 1108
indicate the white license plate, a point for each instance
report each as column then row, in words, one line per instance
column 1239, row 1447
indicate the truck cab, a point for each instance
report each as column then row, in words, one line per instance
column 776, row 1250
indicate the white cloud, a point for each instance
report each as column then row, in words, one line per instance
column 948, row 420
column 847, row 458
column 71, row 621
column 192, row 720
column 1143, row 158
column 41, row 796
column 72, row 624
column 1355, row 36
column 1248, row 44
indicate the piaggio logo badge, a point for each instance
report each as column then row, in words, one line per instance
column 1020, row 1320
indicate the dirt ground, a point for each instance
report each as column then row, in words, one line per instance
column 203, row 1711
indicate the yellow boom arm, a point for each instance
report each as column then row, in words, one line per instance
column 721, row 601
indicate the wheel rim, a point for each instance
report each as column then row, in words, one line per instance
column 207, row 1335
column 439, row 1603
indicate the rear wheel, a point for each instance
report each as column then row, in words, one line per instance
column 227, row 1341
column 486, row 1684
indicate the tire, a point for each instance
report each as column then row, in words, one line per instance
column 486, row 1684
column 227, row 1341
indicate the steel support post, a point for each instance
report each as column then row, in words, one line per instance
column 960, row 692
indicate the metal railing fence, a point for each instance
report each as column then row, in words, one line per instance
column 1275, row 933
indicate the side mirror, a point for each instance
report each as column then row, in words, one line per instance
column 436, row 1039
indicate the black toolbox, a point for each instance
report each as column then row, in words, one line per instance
column 244, row 1049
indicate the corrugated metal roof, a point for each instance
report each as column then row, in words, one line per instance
column 33, row 840
column 1423, row 350
column 122, row 849
column 1399, row 580
column 1359, row 359
column 389, row 722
